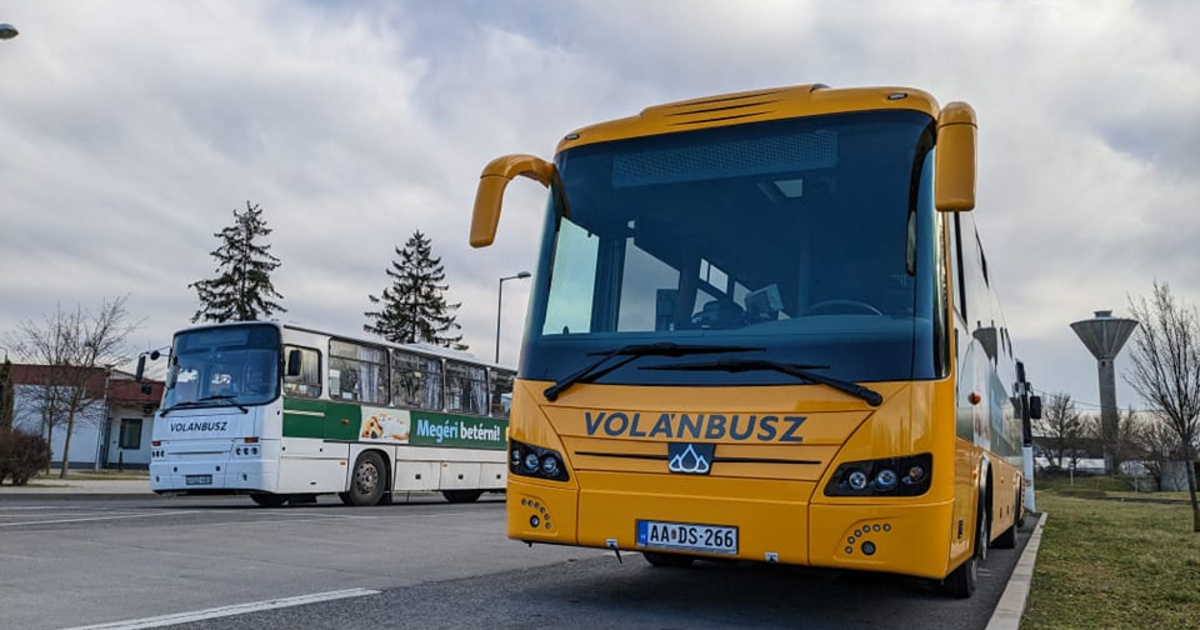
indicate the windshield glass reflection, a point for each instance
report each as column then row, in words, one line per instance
column 224, row 366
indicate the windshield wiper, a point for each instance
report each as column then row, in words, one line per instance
column 631, row 352
column 201, row 403
column 804, row 372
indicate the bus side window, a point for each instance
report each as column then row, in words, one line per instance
column 308, row 382
column 361, row 372
column 501, row 395
column 466, row 388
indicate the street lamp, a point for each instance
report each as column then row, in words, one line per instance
column 8, row 31
column 521, row 275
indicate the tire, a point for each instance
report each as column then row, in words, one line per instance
column 961, row 582
column 1008, row 539
column 462, row 496
column 368, row 481
column 670, row 560
column 345, row 497
column 268, row 500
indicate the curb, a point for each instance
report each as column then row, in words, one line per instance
column 1011, row 607
column 74, row 496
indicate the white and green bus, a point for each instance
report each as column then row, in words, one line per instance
column 281, row 413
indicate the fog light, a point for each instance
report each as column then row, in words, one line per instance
column 531, row 462
column 868, row 548
column 550, row 466
column 534, row 521
column 857, row 480
column 886, row 479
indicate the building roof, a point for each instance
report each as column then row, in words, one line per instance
column 119, row 387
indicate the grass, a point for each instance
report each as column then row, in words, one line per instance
column 104, row 474
column 1110, row 563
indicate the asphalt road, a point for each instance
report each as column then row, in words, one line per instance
column 427, row 564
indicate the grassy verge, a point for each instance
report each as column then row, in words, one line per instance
column 1109, row 563
column 92, row 474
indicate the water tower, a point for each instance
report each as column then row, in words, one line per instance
column 1105, row 335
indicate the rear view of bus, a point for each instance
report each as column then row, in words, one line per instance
column 742, row 341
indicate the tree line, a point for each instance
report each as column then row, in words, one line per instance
column 411, row 309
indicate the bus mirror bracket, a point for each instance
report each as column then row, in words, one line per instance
column 954, row 178
column 490, row 194
column 293, row 363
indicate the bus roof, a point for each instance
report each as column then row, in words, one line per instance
column 421, row 348
column 753, row 106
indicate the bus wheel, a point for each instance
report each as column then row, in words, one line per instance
column 668, row 559
column 462, row 496
column 269, row 500
column 961, row 582
column 1008, row 539
column 370, row 477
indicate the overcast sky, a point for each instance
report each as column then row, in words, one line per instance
column 129, row 132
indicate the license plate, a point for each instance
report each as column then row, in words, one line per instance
column 198, row 480
column 687, row 536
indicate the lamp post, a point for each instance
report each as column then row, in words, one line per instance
column 521, row 275
column 8, row 31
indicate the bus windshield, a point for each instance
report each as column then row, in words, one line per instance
column 223, row 366
column 806, row 241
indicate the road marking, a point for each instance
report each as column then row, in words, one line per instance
column 229, row 611
column 95, row 518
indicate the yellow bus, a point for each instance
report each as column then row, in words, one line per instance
column 762, row 328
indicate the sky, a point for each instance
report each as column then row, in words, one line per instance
column 130, row 132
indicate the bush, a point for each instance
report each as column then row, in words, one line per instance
column 22, row 455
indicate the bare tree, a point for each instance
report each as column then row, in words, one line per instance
column 79, row 346
column 1158, row 446
column 1165, row 371
column 1062, row 429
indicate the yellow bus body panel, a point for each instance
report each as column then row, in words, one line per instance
column 780, row 508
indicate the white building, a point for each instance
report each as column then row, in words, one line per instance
column 115, row 431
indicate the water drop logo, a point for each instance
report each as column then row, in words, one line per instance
column 690, row 459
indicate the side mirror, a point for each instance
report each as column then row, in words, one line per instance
column 490, row 194
column 141, row 369
column 293, row 363
column 954, row 169
column 1035, row 407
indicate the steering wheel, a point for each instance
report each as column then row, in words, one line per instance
column 853, row 307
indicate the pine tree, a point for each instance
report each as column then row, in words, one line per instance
column 243, row 290
column 414, row 309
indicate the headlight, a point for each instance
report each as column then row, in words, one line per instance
column 857, row 480
column 878, row 477
column 885, row 480
column 533, row 461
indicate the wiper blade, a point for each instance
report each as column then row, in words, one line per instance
column 804, row 372
column 200, row 402
column 632, row 352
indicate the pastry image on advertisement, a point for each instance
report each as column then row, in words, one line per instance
column 385, row 425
